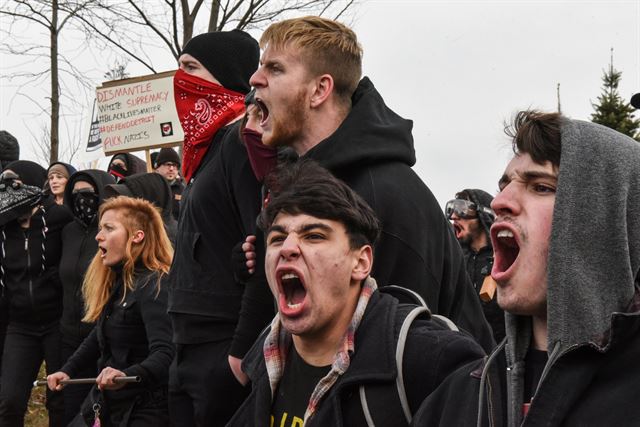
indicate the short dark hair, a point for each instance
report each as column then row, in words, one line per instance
column 305, row 187
column 537, row 134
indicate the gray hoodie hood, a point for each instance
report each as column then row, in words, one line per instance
column 594, row 253
column 594, row 257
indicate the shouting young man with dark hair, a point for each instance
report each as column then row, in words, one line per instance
column 567, row 266
column 330, row 355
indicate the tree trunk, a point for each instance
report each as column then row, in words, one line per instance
column 55, row 88
column 187, row 23
column 213, row 18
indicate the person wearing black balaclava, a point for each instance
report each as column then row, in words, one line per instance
column 215, row 318
column 83, row 196
column 122, row 165
column 30, row 282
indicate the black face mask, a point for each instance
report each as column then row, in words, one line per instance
column 85, row 205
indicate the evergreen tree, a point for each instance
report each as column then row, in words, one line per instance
column 611, row 110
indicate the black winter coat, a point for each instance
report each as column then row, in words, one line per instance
column 372, row 151
column 432, row 352
column 479, row 267
column 584, row 387
column 132, row 335
column 79, row 246
column 30, row 275
column 177, row 187
column 218, row 209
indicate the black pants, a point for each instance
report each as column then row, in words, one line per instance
column 76, row 394
column 4, row 320
column 25, row 349
column 203, row 392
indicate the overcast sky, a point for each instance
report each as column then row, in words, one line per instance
column 458, row 69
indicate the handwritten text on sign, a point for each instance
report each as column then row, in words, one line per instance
column 138, row 113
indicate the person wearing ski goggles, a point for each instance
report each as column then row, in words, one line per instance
column 471, row 217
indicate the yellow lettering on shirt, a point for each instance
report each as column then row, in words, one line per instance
column 295, row 421
column 283, row 420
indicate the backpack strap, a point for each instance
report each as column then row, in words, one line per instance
column 447, row 322
column 418, row 309
column 402, row 340
column 400, row 345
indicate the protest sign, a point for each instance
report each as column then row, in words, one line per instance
column 138, row 113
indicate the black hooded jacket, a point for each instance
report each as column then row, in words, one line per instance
column 153, row 188
column 134, row 164
column 79, row 246
column 218, row 209
column 30, row 257
column 132, row 334
column 372, row 151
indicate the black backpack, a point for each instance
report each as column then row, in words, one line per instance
column 412, row 305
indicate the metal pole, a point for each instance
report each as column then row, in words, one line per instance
column 117, row 380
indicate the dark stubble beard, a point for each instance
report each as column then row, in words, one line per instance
column 288, row 130
column 474, row 231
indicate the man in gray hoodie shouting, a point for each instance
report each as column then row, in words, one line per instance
column 567, row 263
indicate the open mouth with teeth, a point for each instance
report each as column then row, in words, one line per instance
column 506, row 250
column 103, row 251
column 292, row 294
column 264, row 110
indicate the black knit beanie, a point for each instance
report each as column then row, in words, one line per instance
column 166, row 155
column 30, row 173
column 230, row 56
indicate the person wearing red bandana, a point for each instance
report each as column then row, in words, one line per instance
column 215, row 320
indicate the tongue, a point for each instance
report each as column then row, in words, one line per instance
column 297, row 296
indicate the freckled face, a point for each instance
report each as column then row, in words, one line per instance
column 310, row 269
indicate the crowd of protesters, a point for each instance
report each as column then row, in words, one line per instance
column 291, row 269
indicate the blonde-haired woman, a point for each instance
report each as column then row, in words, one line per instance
column 125, row 295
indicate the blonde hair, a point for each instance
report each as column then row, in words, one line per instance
column 154, row 252
column 327, row 47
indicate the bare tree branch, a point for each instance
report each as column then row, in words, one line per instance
column 111, row 40
column 153, row 27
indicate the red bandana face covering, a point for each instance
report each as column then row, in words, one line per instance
column 203, row 108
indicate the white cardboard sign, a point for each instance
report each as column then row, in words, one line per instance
column 138, row 113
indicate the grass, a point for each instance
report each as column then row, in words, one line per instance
column 36, row 415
